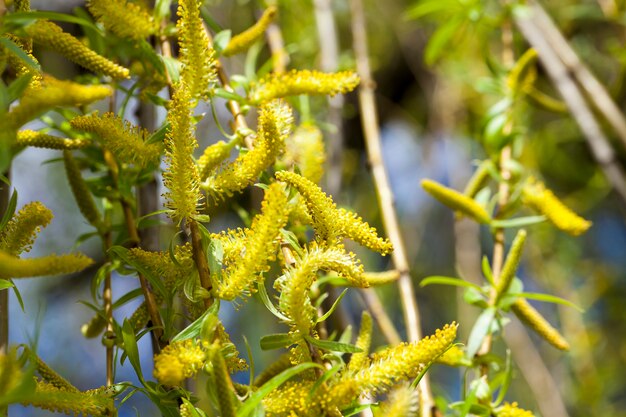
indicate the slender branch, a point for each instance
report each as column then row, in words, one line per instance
column 369, row 121
column 575, row 101
column 199, row 258
column 4, row 294
column 107, row 297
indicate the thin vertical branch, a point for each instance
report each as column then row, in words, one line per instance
column 369, row 120
column 4, row 294
column 199, row 258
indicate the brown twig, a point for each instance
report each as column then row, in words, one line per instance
column 4, row 294
column 562, row 79
column 199, row 258
column 369, row 121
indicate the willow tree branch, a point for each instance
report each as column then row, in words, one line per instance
column 562, row 79
column 4, row 294
column 369, row 121
column 596, row 92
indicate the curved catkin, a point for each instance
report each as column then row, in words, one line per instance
column 196, row 56
column 478, row 180
column 361, row 232
column 403, row 401
column 223, row 383
column 51, row 36
column 125, row 19
column 511, row 264
column 302, row 82
column 260, row 244
column 42, row 140
column 275, row 122
column 211, row 158
column 54, row 93
column 241, row 42
column 83, row 197
column 282, row 363
column 94, row 327
column 360, row 360
column 49, row 397
column 512, row 410
column 531, row 317
column 127, row 142
column 542, row 200
column 20, row 232
column 456, row 201
column 12, row 267
column 181, row 176
column 49, row 375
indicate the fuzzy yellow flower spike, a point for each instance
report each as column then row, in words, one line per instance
column 211, row 158
column 527, row 314
column 241, row 42
column 360, row 360
column 20, row 232
column 42, row 140
column 512, row 410
column 48, row 374
column 457, row 201
column 260, row 245
column 510, row 265
column 13, row 267
column 403, row 401
column 290, row 399
column 125, row 19
column 196, row 55
column 275, row 121
column 542, row 200
column 302, row 82
column 82, row 195
column 52, row 398
column 331, row 223
column 178, row 361
column 181, row 177
column 54, row 93
column 125, row 141
column 306, row 149
column 51, row 36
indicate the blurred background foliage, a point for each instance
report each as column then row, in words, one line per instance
column 435, row 77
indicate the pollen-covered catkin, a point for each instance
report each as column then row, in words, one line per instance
column 51, row 36
column 211, row 158
column 49, row 397
column 12, row 267
column 403, row 401
column 542, row 200
column 360, row 360
column 42, row 140
column 510, row 265
column 125, row 19
column 178, row 361
column 127, row 142
column 244, row 40
column 302, row 82
column 19, row 234
column 527, row 314
column 456, row 201
column 83, row 197
column 512, row 410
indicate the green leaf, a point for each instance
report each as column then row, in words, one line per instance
column 255, row 399
column 194, row 329
column 215, row 256
column 228, row 95
column 10, row 211
column 508, row 377
column 17, row 87
column 325, row 377
column 162, row 9
column 265, row 299
column 517, row 222
column 221, row 39
column 424, row 8
column 122, row 253
column 487, row 272
column 479, row 331
column 354, row 410
column 5, row 283
column 276, row 341
column 441, row 280
column 131, row 295
column 333, row 346
column 172, row 66
column 130, row 347
column 25, row 18
column 441, row 39
column 548, row 299
column 19, row 52
column 475, row 298
column 159, row 135
column 333, row 307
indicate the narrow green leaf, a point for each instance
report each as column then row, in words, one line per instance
column 194, row 329
column 130, row 347
column 517, row 222
column 479, row 331
column 131, row 295
column 333, row 346
column 255, row 399
column 276, row 341
column 25, row 18
column 172, row 66
column 440, row 40
column 487, row 270
column 156, row 282
column 5, row 283
column 441, row 280
column 265, row 299
column 354, row 410
column 333, row 307
column 508, row 377
column 10, row 211
column 548, row 299
column 17, row 87
column 221, row 39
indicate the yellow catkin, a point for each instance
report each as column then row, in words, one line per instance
column 181, row 176
column 403, row 401
column 456, row 201
column 479, row 179
column 11, row 374
column 94, row 327
column 454, row 357
column 260, row 245
column 275, row 122
column 290, row 399
column 42, row 140
column 512, row 410
column 49, row 375
column 282, row 363
column 12, row 267
column 125, row 141
column 360, row 360
column 510, row 265
column 223, row 383
column 160, row 264
column 178, row 361
column 54, row 93
column 51, row 36
column 81, row 193
column 331, row 223
column 125, row 19
column 545, row 202
column 527, row 314
column 381, row 278
column 20, row 232
column 305, row 149
column 196, row 55
column 302, row 82
column 49, row 397
column 211, row 158
column 241, row 42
